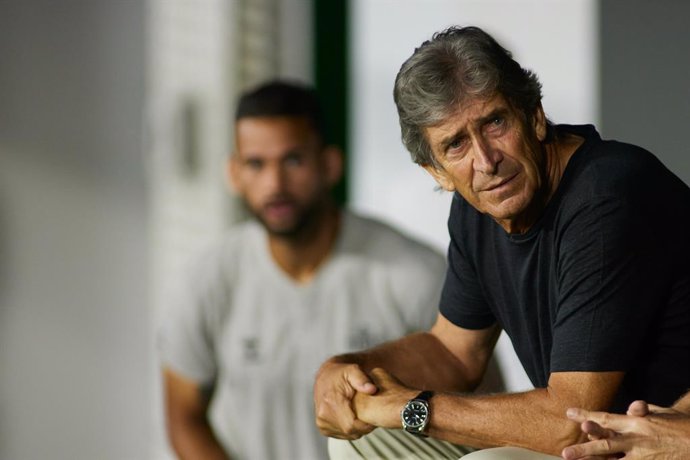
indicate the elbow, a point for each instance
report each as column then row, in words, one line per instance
column 567, row 435
column 176, row 436
column 181, row 431
column 469, row 385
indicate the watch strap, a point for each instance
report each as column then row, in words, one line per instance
column 424, row 396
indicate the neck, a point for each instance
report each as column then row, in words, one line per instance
column 557, row 154
column 300, row 256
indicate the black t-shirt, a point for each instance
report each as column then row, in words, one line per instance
column 600, row 283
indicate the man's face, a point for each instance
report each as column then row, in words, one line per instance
column 491, row 157
column 282, row 171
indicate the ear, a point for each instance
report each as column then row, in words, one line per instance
column 539, row 123
column 442, row 178
column 333, row 164
column 232, row 173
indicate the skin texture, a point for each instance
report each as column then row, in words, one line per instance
column 497, row 164
column 188, row 428
column 498, row 161
column 645, row 432
column 354, row 394
column 284, row 174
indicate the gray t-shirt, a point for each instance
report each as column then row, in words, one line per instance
column 242, row 325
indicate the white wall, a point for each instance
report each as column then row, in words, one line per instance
column 556, row 38
column 97, row 211
column 75, row 359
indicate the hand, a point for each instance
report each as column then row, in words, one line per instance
column 335, row 387
column 383, row 408
column 646, row 431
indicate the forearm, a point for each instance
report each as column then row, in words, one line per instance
column 194, row 439
column 418, row 360
column 533, row 420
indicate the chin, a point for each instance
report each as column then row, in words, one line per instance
column 286, row 229
column 507, row 210
column 282, row 230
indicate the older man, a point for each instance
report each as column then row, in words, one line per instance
column 576, row 247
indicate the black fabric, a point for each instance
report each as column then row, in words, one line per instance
column 600, row 283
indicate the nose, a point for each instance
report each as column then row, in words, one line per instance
column 486, row 158
column 274, row 178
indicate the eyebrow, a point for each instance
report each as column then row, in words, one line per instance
column 446, row 141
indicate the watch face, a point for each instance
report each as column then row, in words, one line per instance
column 415, row 414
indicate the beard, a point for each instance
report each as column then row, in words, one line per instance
column 301, row 225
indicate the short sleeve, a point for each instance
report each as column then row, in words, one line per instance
column 462, row 301
column 186, row 333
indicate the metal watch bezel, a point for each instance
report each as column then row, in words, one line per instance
column 420, row 405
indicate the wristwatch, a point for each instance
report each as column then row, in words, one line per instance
column 415, row 414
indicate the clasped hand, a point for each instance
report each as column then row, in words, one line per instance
column 645, row 432
column 350, row 403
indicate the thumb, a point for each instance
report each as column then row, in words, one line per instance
column 638, row 409
column 360, row 381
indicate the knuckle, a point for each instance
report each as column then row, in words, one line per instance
column 321, row 412
column 605, row 419
column 606, row 444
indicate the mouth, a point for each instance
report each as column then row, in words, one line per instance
column 500, row 184
column 279, row 208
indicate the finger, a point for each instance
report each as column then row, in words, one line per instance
column 595, row 431
column 612, row 422
column 654, row 409
column 357, row 430
column 341, row 423
column 601, row 420
column 638, row 409
column 601, row 448
column 577, row 415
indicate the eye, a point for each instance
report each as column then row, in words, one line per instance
column 253, row 164
column 456, row 143
column 496, row 124
column 294, row 159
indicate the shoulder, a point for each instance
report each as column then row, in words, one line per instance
column 377, row 239
column 217, row 262
column 613, row 171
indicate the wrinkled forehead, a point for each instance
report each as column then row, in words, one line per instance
column 471, row 109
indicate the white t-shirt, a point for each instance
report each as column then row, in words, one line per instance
column 242, row 325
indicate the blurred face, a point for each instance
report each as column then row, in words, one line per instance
column 489, row 155
column 282, row 171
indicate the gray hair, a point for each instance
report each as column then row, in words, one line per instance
column 456, row 64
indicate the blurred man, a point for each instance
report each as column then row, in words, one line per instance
column 577, row 247
column 305, row 279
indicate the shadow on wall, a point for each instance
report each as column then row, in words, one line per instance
column 645, row 74
column 5, row 257
column 3, row 253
